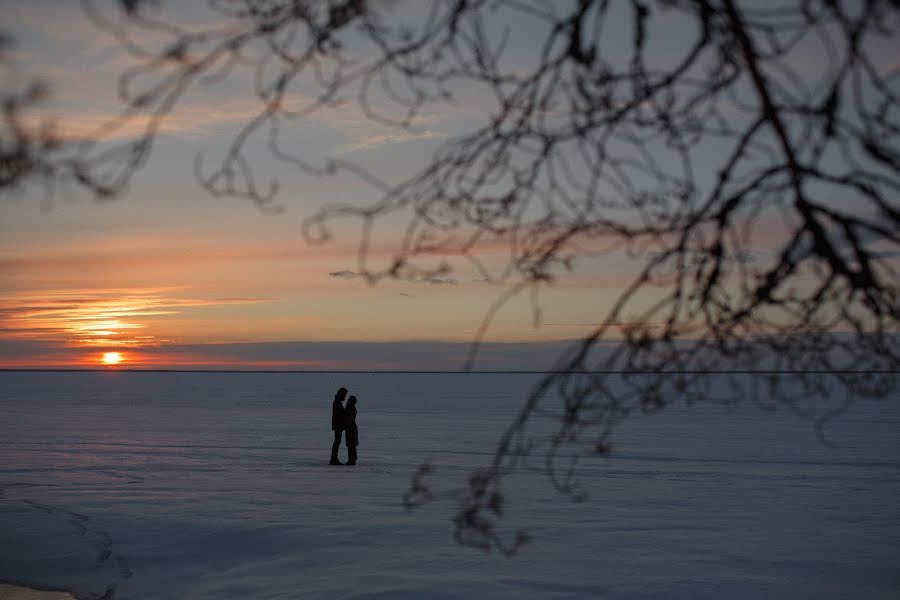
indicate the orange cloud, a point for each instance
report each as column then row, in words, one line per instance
column 96, row 318
column 394, row 137
column 186, row 121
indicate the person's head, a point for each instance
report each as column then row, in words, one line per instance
column 341, row 394
column 351, row 401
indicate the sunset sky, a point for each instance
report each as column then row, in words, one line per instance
column 170, row 277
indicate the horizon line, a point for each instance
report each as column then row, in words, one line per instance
column 455, row 371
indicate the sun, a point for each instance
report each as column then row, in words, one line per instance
column 111, row 358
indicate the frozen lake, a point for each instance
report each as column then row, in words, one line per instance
column 216, row 485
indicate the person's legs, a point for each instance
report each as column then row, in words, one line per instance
column 351, row 455
column 335, row 446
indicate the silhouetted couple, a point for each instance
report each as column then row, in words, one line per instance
column 343, row 421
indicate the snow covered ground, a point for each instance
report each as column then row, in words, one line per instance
column 196, row 485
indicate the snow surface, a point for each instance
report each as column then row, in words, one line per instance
column 215, row 485
column 12, row 592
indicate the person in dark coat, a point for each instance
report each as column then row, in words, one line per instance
column 338, row 423
column 352, row 438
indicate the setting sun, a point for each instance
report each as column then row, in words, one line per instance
column 111, row 358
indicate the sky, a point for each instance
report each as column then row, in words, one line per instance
column 168, row 276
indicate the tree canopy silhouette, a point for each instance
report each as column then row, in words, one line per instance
column 744, row 154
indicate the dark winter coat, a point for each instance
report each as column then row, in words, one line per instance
column 352, row 430
column 338, row 416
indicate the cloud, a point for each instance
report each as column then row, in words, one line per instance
column 429, row 279
column 240, row 300
column 434, row 280
column 98, row 317
column 617, row 324
column 186, row 120
column 134, row 254
column 380, row 139
column 344, row 274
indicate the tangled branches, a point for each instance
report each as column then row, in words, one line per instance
column 744, row 156
column 26, row 151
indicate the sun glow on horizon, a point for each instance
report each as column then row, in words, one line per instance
column 111, row 358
